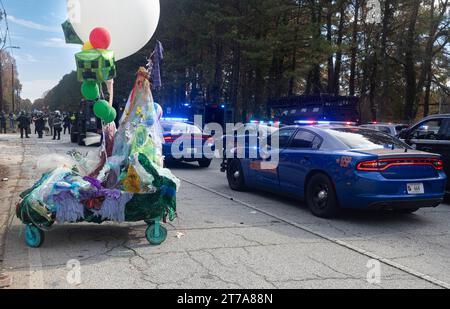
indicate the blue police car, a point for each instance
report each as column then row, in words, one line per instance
column 337, row 167
column 186, row 142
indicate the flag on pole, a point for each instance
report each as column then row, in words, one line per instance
column 154, row 65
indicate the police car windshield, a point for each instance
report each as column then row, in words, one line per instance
column 357, row 138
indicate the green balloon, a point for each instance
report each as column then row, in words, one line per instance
column 90, row 90
column 101, row 109
column 111, row 116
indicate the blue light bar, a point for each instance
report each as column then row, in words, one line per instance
column 311, row 122
column 177, row 119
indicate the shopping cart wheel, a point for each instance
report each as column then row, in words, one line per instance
column 156, row 234
column 34, row 237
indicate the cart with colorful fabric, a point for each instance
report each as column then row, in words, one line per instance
column 126, row 182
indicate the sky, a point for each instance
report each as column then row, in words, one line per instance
column 44, row 57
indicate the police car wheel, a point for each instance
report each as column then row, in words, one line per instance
column 321, row 197
column 205, row 163
column 235, row 176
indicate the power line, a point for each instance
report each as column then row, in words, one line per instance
column 7, row 36
column 5, row 16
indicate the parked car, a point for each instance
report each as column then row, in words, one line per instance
column 431, row 134
column 338, row 167
column 388, row 128
column 86, row 125
column 189, row 143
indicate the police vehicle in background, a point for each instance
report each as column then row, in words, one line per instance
column 388, row 128
column 432, row 134
column 185, row 142
column 321, row 108
column 87, row 127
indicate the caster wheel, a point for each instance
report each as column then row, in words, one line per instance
column 34, row 237
column 155, row 234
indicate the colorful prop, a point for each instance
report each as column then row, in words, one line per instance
column 100, row 38
column 130, row 23
column 90, row 90
column 70, row 34
column 130, row 183
column 95, row 65
column 101, row 109
column 87, row 46
column 104, row 111
column 131, row 186
column 112, row 114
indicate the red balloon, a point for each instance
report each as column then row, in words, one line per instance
column 100, row 38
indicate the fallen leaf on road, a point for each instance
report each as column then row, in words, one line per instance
column 179, row 235
column 5, row 281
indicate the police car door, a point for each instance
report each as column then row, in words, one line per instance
column 264, row 169
column 296, row 161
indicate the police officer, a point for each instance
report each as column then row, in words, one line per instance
column 24, row 124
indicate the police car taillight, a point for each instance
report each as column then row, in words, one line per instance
column 169, row 139
column 384, row 164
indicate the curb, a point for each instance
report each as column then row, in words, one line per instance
column 5, row 208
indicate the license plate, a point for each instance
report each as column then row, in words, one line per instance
column 415, row 188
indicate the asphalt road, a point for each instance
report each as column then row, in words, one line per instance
column 225, row 239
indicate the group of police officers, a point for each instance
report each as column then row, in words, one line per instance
column 52, row 123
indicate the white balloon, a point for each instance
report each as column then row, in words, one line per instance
column 131, row 23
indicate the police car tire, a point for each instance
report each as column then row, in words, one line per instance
column 330, row 208
column 236, row 184
column 205, row 163
column 406, row 211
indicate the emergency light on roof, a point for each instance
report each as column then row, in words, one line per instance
column 178, row 119
column 314, row 122
column 265, row 123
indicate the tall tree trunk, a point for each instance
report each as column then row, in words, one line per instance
column 308, row 87
column 235, row 79
column 316, row 17
column 216, row 90
column 338, row 65
column 330, row 42
column 294, row 53
column 354, row 49
column 426, row 100
column 373, row 87
column 410, row 71
column 386, row 100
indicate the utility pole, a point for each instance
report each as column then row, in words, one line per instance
column 13, row 98
column 2, row 54
column 1, row 80
column 3, row 42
